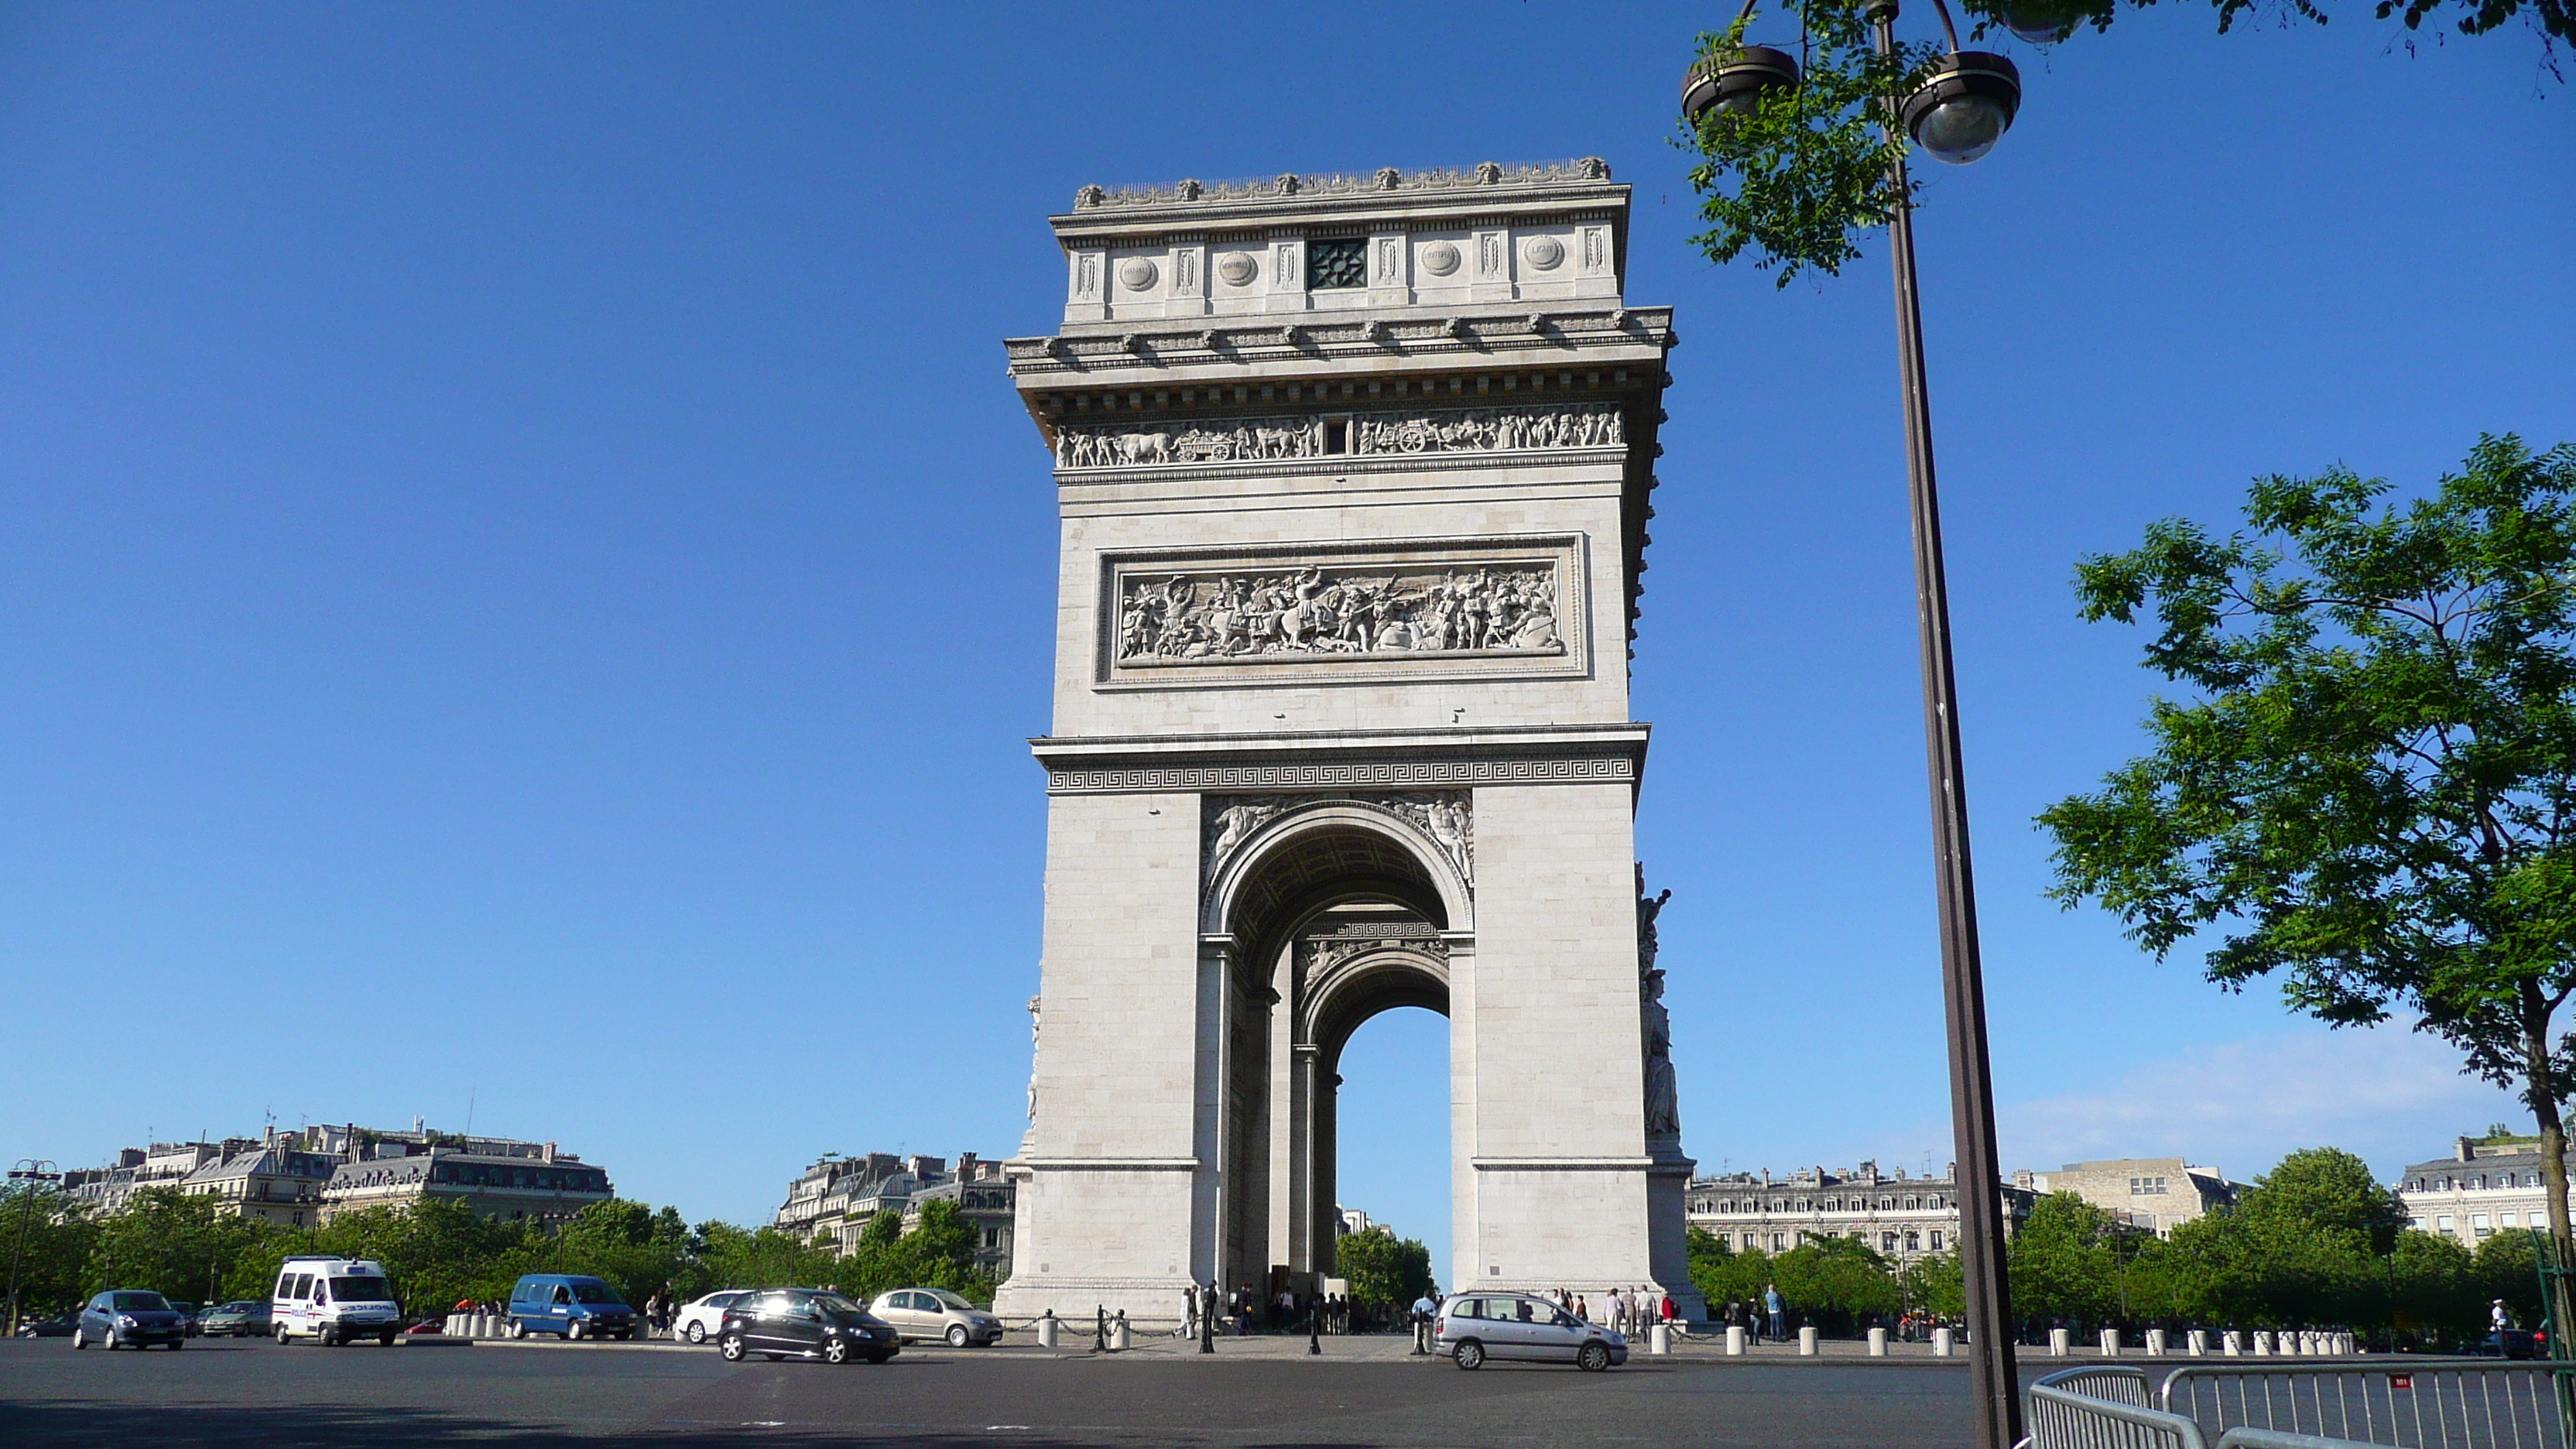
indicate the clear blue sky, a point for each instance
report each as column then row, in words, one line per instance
column 525, row 583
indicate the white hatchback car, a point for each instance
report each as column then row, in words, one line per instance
column 699, row 1321
column 935, row 1315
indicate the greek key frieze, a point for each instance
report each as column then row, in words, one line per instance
column 1533, row 428
column 1560, row 770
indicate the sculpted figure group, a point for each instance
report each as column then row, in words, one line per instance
column 1338, row 611
column 1461, row 430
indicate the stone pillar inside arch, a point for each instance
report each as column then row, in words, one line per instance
column 1352, row 478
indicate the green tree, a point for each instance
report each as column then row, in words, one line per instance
column 1936, row 1285
column 186, row 1246
column 1721, row 1274
column 2373, row 788
column 1838, row 1284
column 2060, row 1263
column 59, row 1234
column 1384, row 1271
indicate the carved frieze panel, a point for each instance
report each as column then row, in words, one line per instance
column 1515, row 604
column 1527, row 428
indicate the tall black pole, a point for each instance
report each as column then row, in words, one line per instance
column 34, row 1173
column 1979, row 1179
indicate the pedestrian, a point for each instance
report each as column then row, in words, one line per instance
column 1582, row 1308
column 2497, row 1318
column 1670, row 1313
column 1424, row 1312
column 1244, row 1307
column 1771, row 1305
column 1614, row 1308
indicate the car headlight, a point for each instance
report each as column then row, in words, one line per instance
column 124, row 1320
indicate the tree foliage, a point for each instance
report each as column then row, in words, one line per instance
column 2371, row 790
column 1384, row 1271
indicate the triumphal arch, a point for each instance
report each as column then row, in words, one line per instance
column 1353, row 476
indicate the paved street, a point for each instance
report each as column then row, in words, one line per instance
column 1259, row 1393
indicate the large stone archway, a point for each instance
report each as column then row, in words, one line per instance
column 1353, row 480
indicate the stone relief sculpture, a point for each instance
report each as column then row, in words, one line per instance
column 1447, row 816
column 1663, row 1095
column 1357, row 609
column 1465, row 430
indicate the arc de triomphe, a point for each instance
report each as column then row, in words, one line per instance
column 1353, row 475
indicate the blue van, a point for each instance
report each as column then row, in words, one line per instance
column 569, row 1305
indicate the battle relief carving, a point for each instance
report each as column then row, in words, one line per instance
column 1447, row 816
column 1458, row 430
column 1443, row 610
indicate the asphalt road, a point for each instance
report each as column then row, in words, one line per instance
column 251, row 1392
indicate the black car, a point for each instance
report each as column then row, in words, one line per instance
column 187, row 1314
column 2512, row 1343
column 58, row 1326
column 806, row 1323
column 130, row 1318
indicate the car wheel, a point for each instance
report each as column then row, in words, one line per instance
column 1592, row 1358
column 731, row 1348
column 112, row 1344
column 1470, row 1354
column 177, row 1344
column 957, row 1335
column 386, row 1339
column 836, row 1351
column 573, row 1331
column 80, row 1339
column 697, row 1333
column 279, row 1333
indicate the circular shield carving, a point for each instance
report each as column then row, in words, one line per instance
column 1545, row 252
column 1136, row 274
column 1237, row 268
column 1440, row 259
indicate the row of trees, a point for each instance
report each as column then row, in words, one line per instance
column 2317, row 1243
column 438, row 1253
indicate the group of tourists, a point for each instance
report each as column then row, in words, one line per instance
column 1768, row 1311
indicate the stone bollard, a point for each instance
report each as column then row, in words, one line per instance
column 2060, row 1341
column 1941, row 1343
column 2231, row 1344
column 2196, row 1343
column 1118, row 1338
column 1735, row 1340
column 1807, row 1342
column 1878, row 1343
column 1047, row 1330
column 2110, row 1343
column 2155, row 1343
column 2262, row 1343
column 1659, row 1340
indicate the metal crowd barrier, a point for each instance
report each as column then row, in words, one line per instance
column 2426, row 1404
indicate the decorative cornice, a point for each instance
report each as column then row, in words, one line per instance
column 1390, row 759
column 1385, row 181
column 1212, row 341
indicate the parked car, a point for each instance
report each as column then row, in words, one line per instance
column 2513, row 1343
column 130, row 1318
column 806, row 1323
column 188, row 1312
column 700, row 1320
column 334, row 1301
column 1476, row 1327
column 58, row 1326
column 247, row 1318
column 569, row 1305
column 931, row 1315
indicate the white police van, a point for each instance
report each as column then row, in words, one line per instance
column 333, row 1300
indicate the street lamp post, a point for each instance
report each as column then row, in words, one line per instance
column 31, row 1171
column 1957, row 114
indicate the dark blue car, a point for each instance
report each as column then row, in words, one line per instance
column 130, row 1318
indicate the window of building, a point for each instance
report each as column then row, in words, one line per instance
column 1936, row 1240
column 2442, row 1224
column 1779, row 1242
column 1887, row 1242
column 1342, row 262
column 1802, row 1204
column 2508, row 1220
column 1913, row 1241
column 1750, row 1242
column 2478, row 1221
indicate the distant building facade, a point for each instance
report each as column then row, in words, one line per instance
column 1901, row 1218
column 551, row 1189
column 315, row 1173
column 2153, row 1194
column 2481, row 1189
column 834, row 1200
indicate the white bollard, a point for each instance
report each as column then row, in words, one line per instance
column 2262, row 1343
column 1735, row 1340
column 2196, row 1342
column 2110, row 1343
column 1047, row 1330
column 1118, row 1338
column 2155, row 1343
column 2060, row 1341
column 1807, row 1342
column 2231, row 1344
column 1878, row 1343
column 1659, row 1339
column 1941, row 1343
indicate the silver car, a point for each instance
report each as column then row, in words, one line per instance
column 926, row 1315
column 1477, row 1326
